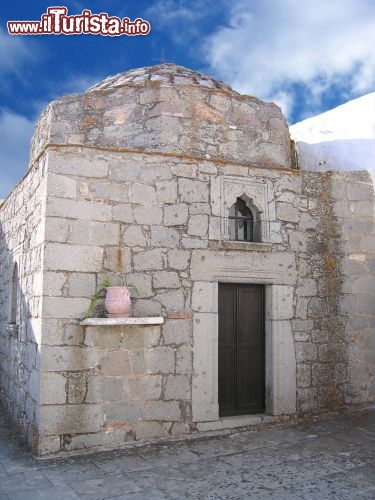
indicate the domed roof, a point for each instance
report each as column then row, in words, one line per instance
column 165, row 74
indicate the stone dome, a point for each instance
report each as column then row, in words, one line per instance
column 164, row 74
column 168, row 109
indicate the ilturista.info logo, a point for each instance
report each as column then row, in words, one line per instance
column 57, row 22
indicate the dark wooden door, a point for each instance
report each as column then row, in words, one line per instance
column 241, row 349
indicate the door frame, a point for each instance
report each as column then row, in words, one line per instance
column 280, row 361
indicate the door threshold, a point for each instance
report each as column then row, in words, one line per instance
column 237, row 421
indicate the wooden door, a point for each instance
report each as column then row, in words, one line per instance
column 241, row 349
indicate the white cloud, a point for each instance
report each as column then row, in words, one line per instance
column 267, row 46
column 79, row 83
column 15, row 135
column 15, row 51
column 184, row 20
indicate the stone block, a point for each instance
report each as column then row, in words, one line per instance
column 79, row 232
column 322, row 374
column 137, row 361
column 198, row 225
column 61, row 333
column 178, row 259
column 56, row 229
column 307, row 399
column 140, row 336
column 160, row 360
column 301, row 308
column 142, row 282
column 172, row 301
column 166, row 279
column 192, row 191
column 357, row 192
column 362, row 208
column 109, row 191
column 78, row 209
column 194, row 242
column 65, row 307
column 164, row 237
column 72, row 258
column 204, row 384
column 104, row 389
column 166, row 191
column 55, row 284
column 124, row 171
column 142, row 194
column 117, row 260
column 364, row 285
column 287, row 212
column 76, row 387
column 177, row 331
column 152, row 173
column 144, row 308
column 116, row 363
column 317, row 307
column 104, row 233
column 149, row 430
column 205, row 263
column 306, row 288
column 148, row 215
column 144, row 387
column 203, row 297
column 184, row 360
column 367, row 244
column 303, row 375
column 70, row 419
column 175, row 215
column 148, row 261
column 184, row 170
column 81, row 284
column 134, row 237
column 163, row 411
column 177, row 387
column 48, row 445
column 52, row 388
column 123, row 412
column 306, row 351
column 68, row 358
column 297, row 241
column 123, row 213
column 78, row 164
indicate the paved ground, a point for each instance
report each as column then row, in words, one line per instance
column 330, row 457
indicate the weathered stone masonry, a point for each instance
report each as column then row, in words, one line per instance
column 135, row 178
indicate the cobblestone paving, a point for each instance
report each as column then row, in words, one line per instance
column 332, row 457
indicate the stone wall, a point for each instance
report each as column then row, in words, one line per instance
column 22, row 238
column 134, row 383
column 156, row 220
column 135, row 180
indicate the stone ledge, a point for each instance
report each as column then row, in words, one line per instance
column 241, row 245
column 157, row 320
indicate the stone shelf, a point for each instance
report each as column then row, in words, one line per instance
column 157, row 320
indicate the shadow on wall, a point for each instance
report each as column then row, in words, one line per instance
column 19, row 343
column 342, row 155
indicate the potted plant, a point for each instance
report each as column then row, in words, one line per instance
column 117, row 299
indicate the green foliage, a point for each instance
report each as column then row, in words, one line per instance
column 98, row 295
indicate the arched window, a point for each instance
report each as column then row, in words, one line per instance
column 241, row 222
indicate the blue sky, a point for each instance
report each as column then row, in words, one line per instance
column 306, row 56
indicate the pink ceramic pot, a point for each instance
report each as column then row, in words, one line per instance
column 117, row 302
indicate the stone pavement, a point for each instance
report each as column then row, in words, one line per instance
column 329, row 457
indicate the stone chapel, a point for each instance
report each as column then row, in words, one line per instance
column 256, row 279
